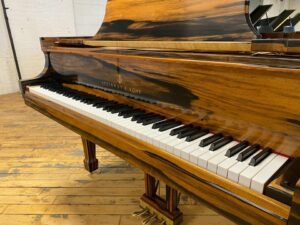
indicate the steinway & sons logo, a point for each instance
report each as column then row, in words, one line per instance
column 120, row 86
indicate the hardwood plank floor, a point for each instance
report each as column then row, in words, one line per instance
column 42, row 179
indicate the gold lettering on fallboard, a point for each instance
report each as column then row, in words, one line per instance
column 119, row 86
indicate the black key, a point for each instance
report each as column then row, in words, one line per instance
column 260, row 157
column 139, row 116
column 144, row 117
column 129, row 113
column 161, row 124
column 210, row 140
column 98, row 102
column 220, row 143
column 111, row 106
column 180, row 129
column 107, row 104
column 120, row 109
column 197, row 135
column 237, row 148
column 89, row 102
column 169, row 126
column 124, row 108
column 67, row 94
column 135, row 113
column 248, row 152
column 153, row 120
column 99, row 105
column 186, row 133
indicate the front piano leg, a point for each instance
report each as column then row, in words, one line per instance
column 294, row 218
column 90, row 160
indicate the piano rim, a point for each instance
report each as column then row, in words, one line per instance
column 271, row 208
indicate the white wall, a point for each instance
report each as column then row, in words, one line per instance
column 88, row 16
column 295, row 4
column 8, row 73
column 31, row 19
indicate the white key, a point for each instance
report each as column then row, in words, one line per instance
column 247, row 175
column 157, row 140
column 262, row 177
column 177, row 149
column 234, row 172
column 218, row 156
column 169, row 142
column 194, row 155
column 226, row 164
column 185, row 153
column 155, row 137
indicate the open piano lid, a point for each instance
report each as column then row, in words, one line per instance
column 189, row 25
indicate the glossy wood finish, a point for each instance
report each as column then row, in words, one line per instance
column 286, row 45
column 176, row 20
column 295, row 210
column 238, row 202
column 239, row 96
column 90, row 161
column 291, row 176
column 202, row 46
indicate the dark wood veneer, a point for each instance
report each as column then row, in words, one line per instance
column 246, row 99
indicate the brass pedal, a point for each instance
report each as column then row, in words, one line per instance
column 140, row 213
column 149, row 220
column 158, row 218
column 148, row 217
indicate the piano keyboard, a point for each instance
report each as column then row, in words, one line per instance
column 239, row 162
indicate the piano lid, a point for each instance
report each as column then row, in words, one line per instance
column 195, row 25
column 176, row 20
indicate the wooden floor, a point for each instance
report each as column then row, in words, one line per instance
column 42, row 180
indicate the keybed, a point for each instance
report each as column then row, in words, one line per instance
column 240, row 162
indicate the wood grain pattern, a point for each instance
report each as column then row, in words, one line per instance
column 238, row 204
column 192, row 46
column 294, row 218
column 90, row 160
column 176, row 20
column 283, row 45
column 245, row 99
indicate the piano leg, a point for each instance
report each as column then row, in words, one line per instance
column 90, row 160
column 161, row 209
column 294, row 218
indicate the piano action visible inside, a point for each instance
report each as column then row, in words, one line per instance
column 191, row 92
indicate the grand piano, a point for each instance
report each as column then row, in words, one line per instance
column 201, row 95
